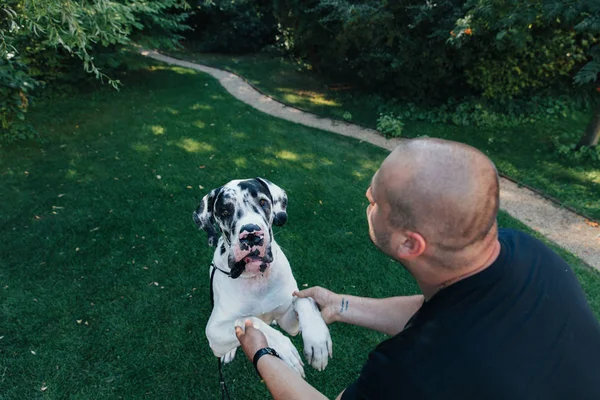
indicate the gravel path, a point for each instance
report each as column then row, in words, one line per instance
column 560, row 225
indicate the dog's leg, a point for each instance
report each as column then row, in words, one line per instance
column 317, row 340
column 223, row 342
column 289, row 321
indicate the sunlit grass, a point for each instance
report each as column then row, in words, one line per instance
column 306, row 96
column 157, row 129
column 194, row 146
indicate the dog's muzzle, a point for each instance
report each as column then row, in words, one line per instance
column 252, row 252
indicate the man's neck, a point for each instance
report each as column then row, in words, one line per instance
column 435, row 282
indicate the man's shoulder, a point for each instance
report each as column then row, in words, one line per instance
column 519, row 247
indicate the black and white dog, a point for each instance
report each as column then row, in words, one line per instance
column 253, row 279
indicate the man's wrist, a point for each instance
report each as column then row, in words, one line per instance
column 265, row 351
column 341, row 306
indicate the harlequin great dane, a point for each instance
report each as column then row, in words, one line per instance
column 253, row 279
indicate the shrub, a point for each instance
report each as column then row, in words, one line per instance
column 570, row 152
column 390, row 125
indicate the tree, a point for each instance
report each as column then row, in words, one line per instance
column 515, row 23
column 40, row 38
column 591, row 71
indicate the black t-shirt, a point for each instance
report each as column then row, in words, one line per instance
column 520, row 329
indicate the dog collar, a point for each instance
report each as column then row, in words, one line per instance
column 225, row 272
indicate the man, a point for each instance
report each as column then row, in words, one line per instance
column 501, row 315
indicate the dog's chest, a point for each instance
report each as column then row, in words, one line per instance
column 267, row 298
column 268, row 304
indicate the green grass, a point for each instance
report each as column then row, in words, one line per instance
column 526, row 153
column 103, row 275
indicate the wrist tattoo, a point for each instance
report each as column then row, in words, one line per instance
column 344, row 306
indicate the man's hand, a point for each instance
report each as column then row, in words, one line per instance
column 329, row 302
column 251, row 339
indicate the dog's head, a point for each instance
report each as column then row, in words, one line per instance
column 244, row 211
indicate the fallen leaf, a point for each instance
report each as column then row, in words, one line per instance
column 44, row 387
column 158, row 177
column 86, row 323
column 79, row 321
column 61, row 195
column 94, row 229
column 593, row 224
column 188, row 187
column 33, row 352
column 202, row 166
column 77, row 249
column 201, row 187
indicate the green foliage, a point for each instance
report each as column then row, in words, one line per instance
column 424, row 52
column 390, row 125
column 392, row 47
column 42, row 41
column 232, row 26
column 545, row 62
column 569, row 151
column 347, row 116
column 494, row 114
column 15, row 84
column 525, row 46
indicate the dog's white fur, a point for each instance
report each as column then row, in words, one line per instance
column 263, row 297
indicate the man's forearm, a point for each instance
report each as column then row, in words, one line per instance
column 388, row 315
column 283, row 383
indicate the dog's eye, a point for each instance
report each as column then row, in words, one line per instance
column 225, row 213
column 262, row 202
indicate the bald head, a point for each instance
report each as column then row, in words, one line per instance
column 446, row 191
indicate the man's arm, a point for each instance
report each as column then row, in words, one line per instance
column 388, row 315
column 281, row 380
column 283, row 383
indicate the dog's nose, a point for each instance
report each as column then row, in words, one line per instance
column 251, row 235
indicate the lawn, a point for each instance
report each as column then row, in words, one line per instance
column 104, row 276
column 526, row 154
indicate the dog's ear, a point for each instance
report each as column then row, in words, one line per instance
column 280, row 201
column 203, row 216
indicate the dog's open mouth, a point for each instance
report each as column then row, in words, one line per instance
column 252, row 263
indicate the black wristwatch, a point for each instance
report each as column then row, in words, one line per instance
column 262, row 352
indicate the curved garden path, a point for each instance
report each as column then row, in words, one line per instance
column 558, row 224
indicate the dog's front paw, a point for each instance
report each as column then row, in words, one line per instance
column 288, row 353
column 317, row 344
column 227, row 358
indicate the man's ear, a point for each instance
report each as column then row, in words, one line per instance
column 203, row 216
column 408, row 244
column 280, row 201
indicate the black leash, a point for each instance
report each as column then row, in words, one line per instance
column 224, row 390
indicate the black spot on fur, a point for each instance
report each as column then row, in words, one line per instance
column 223, row 249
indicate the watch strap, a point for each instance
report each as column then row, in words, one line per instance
column 262, row 352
